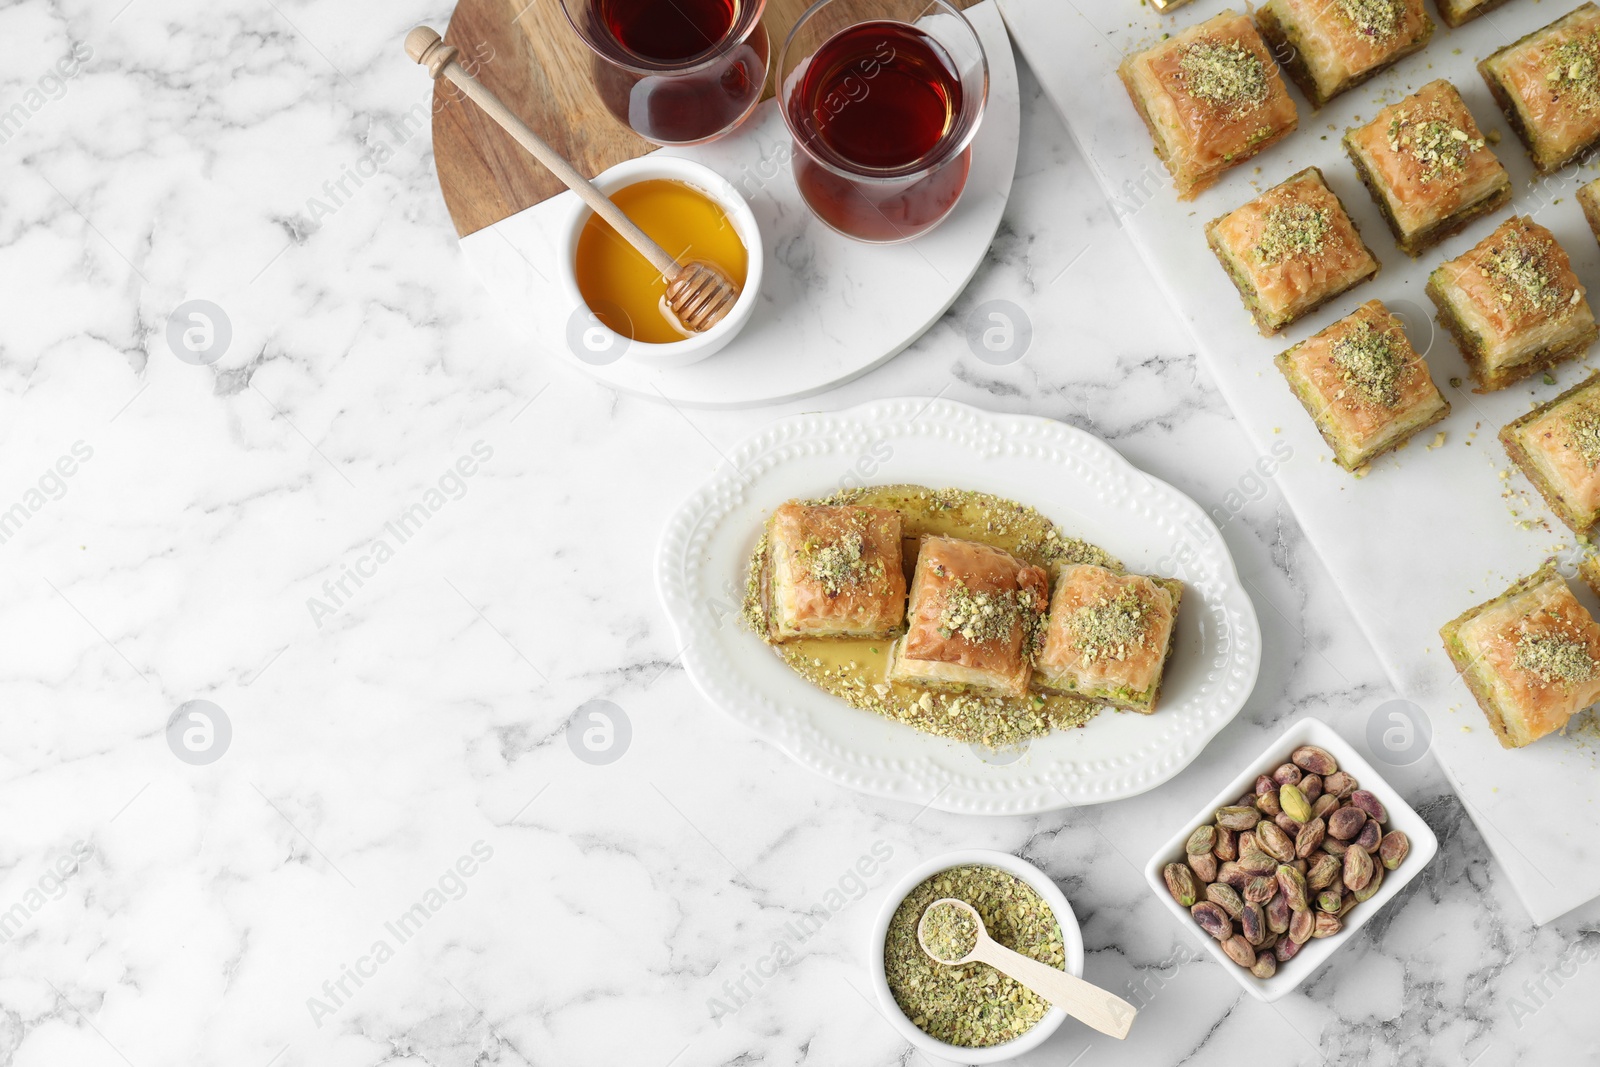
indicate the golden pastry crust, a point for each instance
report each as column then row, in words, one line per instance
column 1531, row 657
column 1108, row 636
column 1456, row 13
column 1211, row 97
column 1428, row 167
column 1548, row 86
column 1332, row 46
column 1557, row 446
column 975, row 615
column 1363, row 384
column 1291, row 250
column 834, row 571
column 1513, row 304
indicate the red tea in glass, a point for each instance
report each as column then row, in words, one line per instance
column 675, row 71
column 883, row 114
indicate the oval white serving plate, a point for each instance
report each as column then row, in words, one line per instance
column 1072, row 477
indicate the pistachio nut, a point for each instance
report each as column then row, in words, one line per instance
column 1325, row 870
column 1301, row 923
column 1253, row 923
column 1324, row 806
column 1275, row 843
column 1265, row 966
column 1326, row 925
column 1240, row 951
column 1370, row 837
column 1350, row 901
column 1227, row 846
column 1292, row 827
column 1285, row 949
column 1288, row 774
column 1267, row 804
column 1314, row 760
column 1278, row 914
column 1311, row 786
column 1204, row 866
column 1357, row 868
column 1225, row 897
column 1394, row 848
column 1346, row 823
column 1238, row 818
column 1268, row 942
column 1201, row 841
column 1257, row 862
column 1339, row 784
column 1368, row 891
column 1293, row 884
column 1329, row 900
column 1213, row 920
column 1295, row 804
column 1334, row 846
column 1180, row 883
column 1369, row 804
column 1247, row 841
column 1261, row 889
column 1265, row 784
column 1309, row 839
column 1230, row 873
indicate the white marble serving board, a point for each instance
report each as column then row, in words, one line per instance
column 1429, row 532
column 831, row 308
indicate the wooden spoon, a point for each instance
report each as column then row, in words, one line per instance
column 698, row 294
column 1087, row 1003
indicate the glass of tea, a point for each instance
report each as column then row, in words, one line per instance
column 675, row 72
column 883, row 98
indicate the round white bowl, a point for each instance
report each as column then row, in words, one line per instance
column 1071, row 939
column 690, row 349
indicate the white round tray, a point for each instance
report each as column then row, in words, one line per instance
column 831, row 308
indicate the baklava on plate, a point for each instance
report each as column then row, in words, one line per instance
column 1108, row 636
column 1211, row 96
column 976, row 614
column 1363, row 384
column 1531, row 657
column 1459, row 12
column 834, row 572
column 1334, row 45
column 1557, row 445
column 1427, row 167
column 1548, row 85
column 1513, row 304
column 1291, row 250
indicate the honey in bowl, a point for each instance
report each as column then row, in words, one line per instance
column 621, row 287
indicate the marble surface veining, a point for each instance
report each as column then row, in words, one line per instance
column 398, row 550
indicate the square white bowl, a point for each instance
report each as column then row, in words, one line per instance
column 1402, row 817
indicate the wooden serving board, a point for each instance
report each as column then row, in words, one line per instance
column 528, row 55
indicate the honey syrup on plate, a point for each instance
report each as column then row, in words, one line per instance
column 621, row 287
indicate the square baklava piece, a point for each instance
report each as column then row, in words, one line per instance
column 1557, row 445
column 975, row 618
column 1548, row 85
column 1589, row 200
column 1459, row 12
column 833, row 571
column 1531, row 657
column 1291, row 250
column 1331, row 46
column 1513, row 304
column 1428, row 167
column 1363, row 384
column 1109, row 636
column 1212, row 98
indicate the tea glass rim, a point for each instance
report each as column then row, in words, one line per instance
column 745, row 23
column 946, row 152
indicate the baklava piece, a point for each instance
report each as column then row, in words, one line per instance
column 1109, row 636
column 1589, row 200
column 1427, row 167
column 1557, row 445
column 1513, row 304
column 975, row 619
column 833, row 572
column 1548, row 85
column 1363, row 384
column 1334, row 45
column 1459, row 12
column 1531, row 657
column 1212, row 98
column 1291, row 250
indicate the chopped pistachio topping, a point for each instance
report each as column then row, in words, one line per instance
column 949, row 932
column 1224, row 74
column 1523, row 276
column 1295, row 229
column 1112, row 628
column 1553, row 656
column 1377, row 19
column 839, row 564
column 1583, row 429
column 972, row 1004
column 979, row 617
column 1441, row 146
column 1370, row 363
column 1572, row 72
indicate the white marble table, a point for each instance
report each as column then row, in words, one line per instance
column 392, row 731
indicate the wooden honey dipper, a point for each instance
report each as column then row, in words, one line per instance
column 698, row 294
